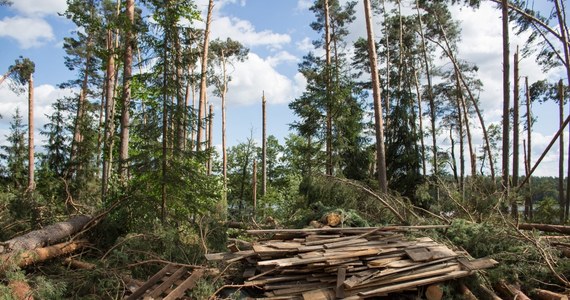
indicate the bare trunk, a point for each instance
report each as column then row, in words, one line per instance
column 254, row 188
column 461, row 145
column 528, row 202
column 453, row 159
column 472, row 157
column 210, row 137
column 127, row 77
column 329, row 167
column 203, row 74
column 181, row 96
column 31, row 181
column 264, row 147
column 506, row 99
column 109, row 115
column 387, row 90
column 561, row 198
column 379, row 125
column 423, row 147
column 224, row 150
column 514, row 204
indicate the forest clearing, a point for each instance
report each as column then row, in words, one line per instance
column 401, row 175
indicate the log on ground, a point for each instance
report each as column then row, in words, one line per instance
column 49, row 234
column 28, row 257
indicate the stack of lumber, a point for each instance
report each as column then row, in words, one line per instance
column 349, row 263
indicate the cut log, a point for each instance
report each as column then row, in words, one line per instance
column 21, row 290
column 548, row 295
column 466, row 292
column 545, row 227
column 510, row 291
column 434, row 292
column 489, row 293
column 28, row 257
column 49, row 234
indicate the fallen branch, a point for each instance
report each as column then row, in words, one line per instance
column 510, row 291
column 548, row 295
column 78, row 264
column 42, row 237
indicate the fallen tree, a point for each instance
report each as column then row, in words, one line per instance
column 545, row 227
column 28, row 257
column 46, row 235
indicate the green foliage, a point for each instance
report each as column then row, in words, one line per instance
column 547, row 211
column 45, row 288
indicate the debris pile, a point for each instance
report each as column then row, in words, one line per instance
column 349, row 263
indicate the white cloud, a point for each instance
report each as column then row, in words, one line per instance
column 281, row 57
column 304, row 4
column 305, row 45
column 244, row 32
column 28, row 32
column 40, row 7
column 255, row 75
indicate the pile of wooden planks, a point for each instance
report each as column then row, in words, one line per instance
column 349, row 263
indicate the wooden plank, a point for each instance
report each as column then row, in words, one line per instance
column 154, row 279
column 382, row 262
column 477, row 264
column 401, row 263
column 419, row 254
column 322, row 294
column 346, row 230
column 189, row 283
column 340, row 278
column 299, row 289
column 167, row 283
column 402, row 286
column 287, row 262
column 351, row 242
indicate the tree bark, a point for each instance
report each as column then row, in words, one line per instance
column 210, row 137
column 109, row 115
column 41, row 237
column 254, row 188
column 472, row 157
column 379, row 126
column 203, row 74
column 506, row 99
column 31, row 181
column 329, row 166
column 528, row 201
column 126, row 99
column 28, row 257
column 224, row 150
column 514, row 204
column 561, row 198
column 548, row 295
column 420, row 117
column 264, row 147
column 510, row 291
column 545, row 227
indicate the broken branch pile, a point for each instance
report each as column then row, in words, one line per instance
column 349, row 263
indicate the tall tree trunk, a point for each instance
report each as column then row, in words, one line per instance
column 254, row 188
column 506, row 99
column 461, row 145
column 472, row 157
column 224, row 150
column 109, row 114
column 210, row 137
column 31, row 181
column 165, row 131
column 203, row 74
column 514, row 204
column 423, row 147
column 329, row 166
column 528, row 201
column 181, row 96
column 561, row 198
column 126, row 99
column 264, row 147
column 387, row 89
column 379, row 125
column 77, row 135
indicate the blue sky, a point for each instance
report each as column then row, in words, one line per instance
column 278, row 35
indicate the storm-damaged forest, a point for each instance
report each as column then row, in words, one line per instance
column 395, row 180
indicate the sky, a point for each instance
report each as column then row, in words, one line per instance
column 278, row 35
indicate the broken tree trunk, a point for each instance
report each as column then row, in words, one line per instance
column 42, row 237
column 510, row 291
column 545, row 227
column 28, row 257
column 548, row 295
